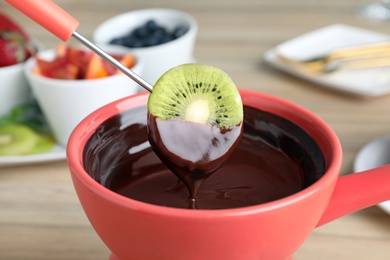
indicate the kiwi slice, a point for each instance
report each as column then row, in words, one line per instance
column 197, row 93
column 44, row 144
column 16, row 139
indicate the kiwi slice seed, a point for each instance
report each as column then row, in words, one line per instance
column 197, row 93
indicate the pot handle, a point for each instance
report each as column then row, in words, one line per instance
column 357, row 191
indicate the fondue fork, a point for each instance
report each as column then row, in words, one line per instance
column 362, row 56
column 57, row 21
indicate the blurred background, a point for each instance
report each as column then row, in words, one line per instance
column 232, row 35
column 224, row 37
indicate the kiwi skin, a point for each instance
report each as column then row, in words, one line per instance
column 198, row 93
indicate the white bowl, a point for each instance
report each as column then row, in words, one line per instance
column 159, row 58
column 374, row 154
column 14, row 88
column 65, row 103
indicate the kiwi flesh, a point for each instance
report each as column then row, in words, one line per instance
column 197, row 93
column 44, row 144
column 17, row 139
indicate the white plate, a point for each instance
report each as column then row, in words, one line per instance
column 57, row 153
column 363, row 82
column 372, row 155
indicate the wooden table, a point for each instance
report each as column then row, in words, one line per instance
column 40, row 215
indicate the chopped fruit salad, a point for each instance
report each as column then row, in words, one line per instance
column 24, row 131
column 15, row 44
column 76, row 63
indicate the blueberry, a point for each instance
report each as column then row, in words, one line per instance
column 151, row 25
column 152, row 41
column 141, row 32
column 138, row 43
column 132, row 41
column 128, row 41
column 166, row 38
column 159, row 32
column 179, row 31
column 118, row 41
column 149, row 34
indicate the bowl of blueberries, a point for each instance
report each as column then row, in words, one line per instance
column 162, row 38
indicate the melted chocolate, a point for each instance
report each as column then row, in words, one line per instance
column 273, row 159
column 192, row 151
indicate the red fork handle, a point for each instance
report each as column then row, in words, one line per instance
column 49, row 15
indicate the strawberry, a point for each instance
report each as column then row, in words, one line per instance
column 59, row 68
column 78, row 58
column 15, row 45
column 6, row 24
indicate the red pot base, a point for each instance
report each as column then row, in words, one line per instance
column 113, row 257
